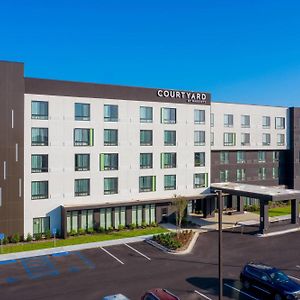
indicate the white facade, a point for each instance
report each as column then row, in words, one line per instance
column 256, row 130
column 61, row 152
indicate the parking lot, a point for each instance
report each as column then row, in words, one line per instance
column 133, row 268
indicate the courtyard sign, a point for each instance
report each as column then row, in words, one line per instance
column 188, row 96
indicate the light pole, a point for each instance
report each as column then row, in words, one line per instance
column 220, row 205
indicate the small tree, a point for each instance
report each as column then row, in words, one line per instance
column 180, row 204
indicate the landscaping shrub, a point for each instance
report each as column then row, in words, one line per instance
column 173, row 240
column 132, row 226
column 101, row 229
column 48, row 234
column 37, row 236
column 15, row 238
column 144, row 225
column 81, row 231
column 121, row 227
column 5, row 240
column 153, row 224
column 252, row 208
column 29, row 237
column 72, row 233
column 90, row 230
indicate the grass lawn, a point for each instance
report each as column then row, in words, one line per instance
column 11, row 248
column 278, row 211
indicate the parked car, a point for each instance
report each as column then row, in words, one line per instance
column 116, row 297
column 159, row 294
column 274, row 283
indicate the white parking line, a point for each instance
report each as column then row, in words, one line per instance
column 137, row 251
column 202, row 295
column 240, row 291
column 294, row 277
column 112, row 255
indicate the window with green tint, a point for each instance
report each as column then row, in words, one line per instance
column 82, row 162
column 39, row 190
column 279, row 122
column 168, row 115
column 261, row 156
column 200, row 180
column 170, row 182
column 224, row 157
column 262, row 173
column 168, row 160
column 39, row 136
column 228, row 120
column 266, row 139
column 170, row 138
column 110, row 185
column 146, row 160
column 146, row 138
column 111, row 113
column 82, row 187
column 245, row 139
column 240, row 174
column 229, row 139
column 280, row 139
column 146, row 114
column 275, row 172
column 39, row 163
column 83, row 137
column 199, row 116
column 41, row 225
column 82, row 111
column 199, row 159
column 110, row 137
column 240, row 157
column 109, row 161
column 275, row 156
column 87, row 219
column 199, row 137
column 39, row 110
column 224, row 175
column 147, row 183
column 266, row 122
column 245, row 121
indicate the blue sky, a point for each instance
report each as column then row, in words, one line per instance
column 239, row 50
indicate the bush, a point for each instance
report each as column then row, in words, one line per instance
column 81, row 231
column 168, row 240
column 132, row 226
column 121, row 227
column 153, row 224
column 90, row 230
column 29, row 237
column 72, row 233
column 15, row 238
column 37, row 236
column 110, row 229
column 144, row 225
column 251, row 208
column 101, row 229
column 48, row 234
column 5, row 240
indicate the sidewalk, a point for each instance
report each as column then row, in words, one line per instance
column 50, row 251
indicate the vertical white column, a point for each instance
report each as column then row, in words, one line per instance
column 12, row 118
column 17, row 152
column 0, row 196
column 20, row 187
column 4, row 170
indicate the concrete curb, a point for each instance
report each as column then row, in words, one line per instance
column 278, row 232
column 51, row 251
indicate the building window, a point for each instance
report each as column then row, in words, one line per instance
column 111, row 113
column 199, row 159
column 199, row 116
column 224, row 157
column 110, row 186
column 72, row 221
column 41, row 225
column 170, row 182
column 266, row 139
column 245, row 139
column 261, row 156
column 109, row 161
column 200, row 180
column 275, row 173
column 87, row 217
column 262, row 173
column 275, row 156
column 229, row 139
column 240, row 175
column 146, row 114
column 146, row 138
column 82, row 187
column 170, row 138
column 147, row 184
column 280, row 123
column 82, row 112
column 240, row 157
column 39, row 110
column 228, row 120
column 39, row 190
column 82, row 162
column 212, row 120
column 212, row 139
column 266, row 122
column 245, row 121
column 39, row 163
column 146, row 161
column 168, row 115
column 110, row 137
column 168, row 160
column 119, row 216
column 224, row 176
column 39, row 136
column 199, row 137
column 280, row 139
column 83, row 137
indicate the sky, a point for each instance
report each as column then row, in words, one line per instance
column 245, row 51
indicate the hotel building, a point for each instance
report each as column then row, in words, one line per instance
column 83, row 155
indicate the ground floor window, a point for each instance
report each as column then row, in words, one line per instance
column 106, row 218
column 86, row 219
column 119, row 217
column 143, row 214
column 41, row 225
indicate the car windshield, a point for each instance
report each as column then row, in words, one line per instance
column 279, row 276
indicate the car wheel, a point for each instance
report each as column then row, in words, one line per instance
column 247, row 285
column 277, row 297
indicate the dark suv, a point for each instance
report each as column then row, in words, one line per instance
column 270, row 281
